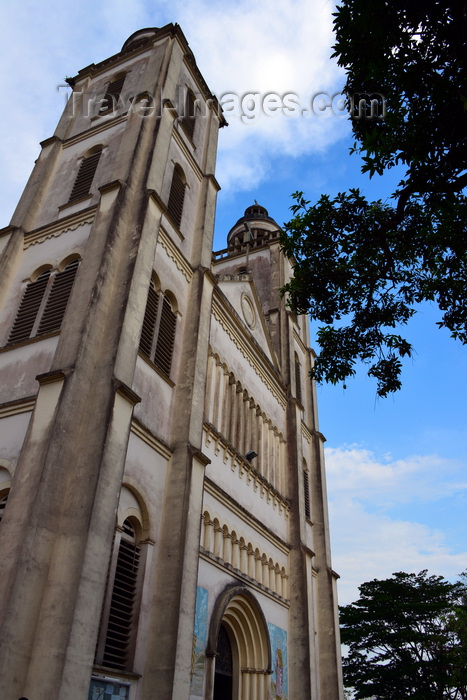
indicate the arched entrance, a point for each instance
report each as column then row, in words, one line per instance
column 239, row 648
column 223, row 674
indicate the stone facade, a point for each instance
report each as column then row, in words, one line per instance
column 163, row 526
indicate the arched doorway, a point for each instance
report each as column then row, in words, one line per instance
column 239, row 647
column 224, row 667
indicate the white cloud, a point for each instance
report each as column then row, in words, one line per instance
column 370, row 536
column 282, row 46
column 385, row 482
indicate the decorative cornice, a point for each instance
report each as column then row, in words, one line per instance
column 245, row 516
column 253, row 478
column 189, row 156
column 15, row 407
column 300, row 342
column 146, row 436
column 56, row 229
column 236, row 573
column 243, row 343
column 96, row 130
column 309, row 433
column 174, row 253
column 126, row 392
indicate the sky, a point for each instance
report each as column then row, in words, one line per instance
column 396, row 467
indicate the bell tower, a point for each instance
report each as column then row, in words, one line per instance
column 121, row 201
column 163, row 512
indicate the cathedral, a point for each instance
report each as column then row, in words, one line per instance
column 164, row 530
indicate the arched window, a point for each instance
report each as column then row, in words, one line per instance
column 58, row 298
column 165, row 337
column 118, row 622
column 29, row 308
column 150, row 320
column 85, row 175
column 44, row 303
column 159, row 326
column 112, row 95
column 189, row 116
column 177, row 196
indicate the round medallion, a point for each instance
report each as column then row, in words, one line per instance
column 248, row 311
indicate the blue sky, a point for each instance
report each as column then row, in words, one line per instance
column 396, row 468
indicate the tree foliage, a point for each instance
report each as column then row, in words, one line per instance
column 407, row 639
column 361, row 267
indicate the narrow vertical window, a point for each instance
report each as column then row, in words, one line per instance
column 150, row 320
column 85, row 176
column 121, row 620
column 58, row 298
column 112, row 95
column 165, row 338
column 306, row 490
column 29, row 308
column 298, row 379
column 177, row 196
column 189, row 117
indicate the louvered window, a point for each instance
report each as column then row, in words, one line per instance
column 2, row 506
column 43, row 304
column 149, row 323
column 165, row 338
column 177, row 196
column 29, row 309
column 158, row 333
column 112, row 95
column 85, row 175
column 298, row 379
column 121, row 620
column 58, row 298
column 189, row 118
column 306, row 489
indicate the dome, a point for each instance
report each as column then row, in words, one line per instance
column 256, row 211
column 138, row 36
column 257, row 221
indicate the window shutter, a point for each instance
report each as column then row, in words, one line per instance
column 149, row 323
column 176, row 197
column 112, row 95
column 306, row 488
column 85, row 176
column 2, row 506
column 165, row 338
column 122, row 606
column 28, row 309
column 58, row 298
